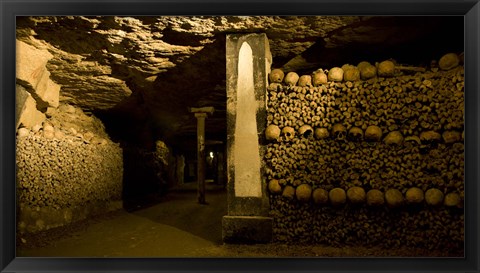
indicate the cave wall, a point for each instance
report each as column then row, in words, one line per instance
column 68, row 166
column 321, row 176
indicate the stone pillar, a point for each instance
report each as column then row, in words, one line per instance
column 201, row 114
column 201, row 156
column 248, row 65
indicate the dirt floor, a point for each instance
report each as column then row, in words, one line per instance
column 175, row 226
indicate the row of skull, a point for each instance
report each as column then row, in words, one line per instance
column 374, row 197
column 373, row 133
column 364, row 71
column 338, row 132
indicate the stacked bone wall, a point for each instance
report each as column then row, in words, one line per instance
column 67, row 170
column 321, row 180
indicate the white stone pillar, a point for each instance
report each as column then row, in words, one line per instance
column 248, row 64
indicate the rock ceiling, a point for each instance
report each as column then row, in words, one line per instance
column 141, row 74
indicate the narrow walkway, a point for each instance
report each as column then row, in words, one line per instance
column 176, row 227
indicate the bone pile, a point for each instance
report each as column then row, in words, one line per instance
column 368, row 154
column 60, row 165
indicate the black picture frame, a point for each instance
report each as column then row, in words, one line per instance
column 10, row 9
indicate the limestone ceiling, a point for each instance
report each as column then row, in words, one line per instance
column 147, row 71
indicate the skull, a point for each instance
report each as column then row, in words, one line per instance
column 305, row 131
column 355, row 134
column 320, row 196
column 394, row 198
column 356, row 195
column 414, row 195
column 305, row 80
column 274, row 86
column 288, row 192
column 434, row 197
column 303, row 193
column 291, row 78
column 319, row 77
column 386, row 69
column 337, row 197
column 288, row 132
column 451, row 136
column 274, row 186
column 350, row 73
column 449, row 61
column 394, row 138
column 367, row 70
column 23, row 132
column 276, row 76
column 375, row 198
column 339, row 131
column 272, row 132
column 335, row 74
column 430, row 137
column 373, row 133
column 452, row 200
column 321, row 133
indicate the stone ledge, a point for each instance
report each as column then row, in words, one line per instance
column 247, row 229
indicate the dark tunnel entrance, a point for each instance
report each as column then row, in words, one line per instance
column 158, row 136
column 158, row 133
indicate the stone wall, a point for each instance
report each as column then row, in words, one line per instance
column 368, row 155
column 67, row 170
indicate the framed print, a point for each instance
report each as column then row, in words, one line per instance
column 254, row 136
